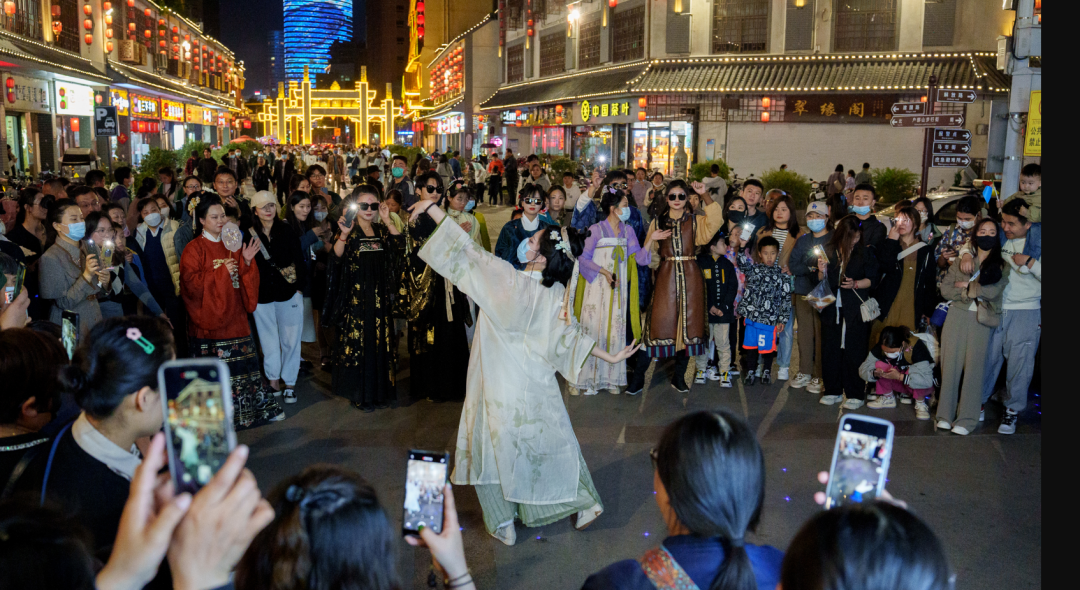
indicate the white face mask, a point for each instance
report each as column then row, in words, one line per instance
column 965, row 224
column 923, row 216
column 893, row 355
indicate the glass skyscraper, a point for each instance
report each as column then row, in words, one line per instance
column 311, row 26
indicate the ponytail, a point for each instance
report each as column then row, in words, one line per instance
column 736, row 573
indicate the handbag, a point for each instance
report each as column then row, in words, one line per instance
column 869, row 309
column 985, row 315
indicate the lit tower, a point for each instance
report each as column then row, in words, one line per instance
column 311, row 26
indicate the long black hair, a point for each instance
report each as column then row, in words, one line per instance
column 991, row 268
column 300, row 227
column 609, row 198
column 560, row 267
column 870, row 546
column 329, row 531
column 207, row 199
column 841, row 242
column 713, row 470
column 26, row 201
column 109, row 366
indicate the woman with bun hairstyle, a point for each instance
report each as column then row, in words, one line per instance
column 87, row 469
column 709, row 482
column 525, row 333
column 676, row 323
column 220, row 288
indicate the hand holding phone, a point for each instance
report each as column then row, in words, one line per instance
column 860, row 460
column 198, row 419
column 425, row 478
column 350, row 214
column 747, row 230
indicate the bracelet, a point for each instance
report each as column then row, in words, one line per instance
column 428, row 207
column 458, row 583
column 448, row 581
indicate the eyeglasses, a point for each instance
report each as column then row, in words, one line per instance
column 317, row 175
column 532, row 201
column 677, row 197
column 367, row 206
column 433, row 188
column 653, row 454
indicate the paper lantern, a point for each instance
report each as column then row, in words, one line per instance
column 106, row 6
column 764, row 116
column 612, row 3
column 108, row 19
column 175, row 29
column 131, row 27
column 55, row 10
column 161, row 22
column 559, row 108
column 89, row 39
column 641, row 115
column 57, row 26
column 11, row 96
column 146, row 33
column 88, row 24
column 187, row 37
column 109, row 46
column 131, row 3
column 766, row 102
column 642, row 102
column 517, row 113
column 420, row 6
column 147, row 12
column 74, row 124
column 420, row 19
column 10, row 83
column 558, row 119
column 420, row 31
column 108, row 33
column 9, row 8
column 87, row 9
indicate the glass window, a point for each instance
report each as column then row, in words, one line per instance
column 740, row 26
column 549, row 140
column 515, row 63
column 553, row 53
column 628, row 35
column 865, row 25
column 592, row 145
column 589, row 44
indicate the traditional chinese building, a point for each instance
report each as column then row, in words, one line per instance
column 760, row 83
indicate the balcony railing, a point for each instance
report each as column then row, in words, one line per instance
column 26, row 21
column 69, row 37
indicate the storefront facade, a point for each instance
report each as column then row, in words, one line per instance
column 145, row 125
column 173, row 133
column 27, row 107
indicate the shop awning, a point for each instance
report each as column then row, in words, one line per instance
column 824, row 73
column 121, row 73
column 602, row 82
column 39, row 55
column 441, row 110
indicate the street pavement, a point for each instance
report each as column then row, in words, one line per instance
column 980, row 493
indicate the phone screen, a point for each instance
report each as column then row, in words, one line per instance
column 69, row 332
column 350, row 214
column 860, row 460
column 425, row 479
column 198, row 419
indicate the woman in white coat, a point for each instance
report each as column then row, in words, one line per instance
column 514, row 412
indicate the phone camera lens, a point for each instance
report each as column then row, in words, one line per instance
column 213, row 374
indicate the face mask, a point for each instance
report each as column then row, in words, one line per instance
column 893, row 355
column 397, row 172
column 469, row 206
column 815, row 225
column 320, row 215
column 153, row 220
column 986, row 242
column 76, row 231
column 923, row 216
column 523, row 251
column 736, row 216
column 861, row 210
column 965, row 224
column 624, row 214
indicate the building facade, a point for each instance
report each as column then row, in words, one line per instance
column 275, row 49
column 311, row 27
column 168, row 81
column 758, row 83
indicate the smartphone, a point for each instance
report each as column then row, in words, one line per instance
column 69, row 332
column 20, row 278
column 747, row 229
column 425, row 479
column 107, row 249
column 198, row 410
column 350, row 214
column 94, row 248
column 860, row 460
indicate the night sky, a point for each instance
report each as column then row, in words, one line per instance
column 244, row 28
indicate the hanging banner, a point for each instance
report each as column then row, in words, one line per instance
column 74, row 99
column 1033, row 137
column 26, row 94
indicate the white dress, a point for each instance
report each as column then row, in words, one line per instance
column 514, row 428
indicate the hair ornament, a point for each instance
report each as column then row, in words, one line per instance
column 135, row 335
column 295, row 493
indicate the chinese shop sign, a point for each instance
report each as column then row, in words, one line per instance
column 591, row 110
column 839, row 108
column 145, row 107
column 119, row 99
column 27, row 94
column 172, row 111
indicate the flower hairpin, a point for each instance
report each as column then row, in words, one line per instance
column 555, row 235
column 564, row 246
column 612, row 189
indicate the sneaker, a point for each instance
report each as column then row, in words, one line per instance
column 590, row 391
column 750, row 378
column 290, row 396
column 733, row 369
column 280, row 416
column 699, row 378
column 905, row 399
column 766, row 377
column 816, row 386
column 828, row 400
column 944, row 425
column 586, row 517
column 712, row 374
column 629, row 392
column 761, row 365
column 982, row 413
column 853, row 404
column 613, row 390
column 782, row 374
column 922, row 411
column 883, row 402
column 801, row 380
column 679, row 384
column 506, row 534
column 573, row 390
column 725, row 380
column 872, row 397
column 1008, row 423
column 960, row 430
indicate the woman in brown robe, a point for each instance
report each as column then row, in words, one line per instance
column 676, row 322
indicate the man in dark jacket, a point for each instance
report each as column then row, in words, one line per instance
column 510, row 177
column 207, row 167
column 721, row 287
column 873, row 232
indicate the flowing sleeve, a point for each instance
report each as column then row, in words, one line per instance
column 193, row 278
column 590, row 269
column 504, row 248
column 633, row 247
column 568, row 348
column 249, row 282
column 138, row 288
column 705, row 229
column 494, row 284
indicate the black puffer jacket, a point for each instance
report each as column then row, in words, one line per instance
column 893, row 274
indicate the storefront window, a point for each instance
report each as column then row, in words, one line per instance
column 549, row 140
column 655, row 144
column 592, row 145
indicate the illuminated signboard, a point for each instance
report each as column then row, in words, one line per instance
column 145, row 107
column 172, row 111
column 119, row 99
column 451, row 124
column 604, row 109
column 27, row 94
column 74, row 99
column 221, row 119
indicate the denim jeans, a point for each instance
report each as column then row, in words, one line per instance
column 786, row 337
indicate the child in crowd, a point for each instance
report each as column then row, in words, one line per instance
column 900, row 363
column 1030, row 191
column 765, row 306
column 721, row 286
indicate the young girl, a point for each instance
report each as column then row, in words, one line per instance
column 524, row 334
column 900, row 364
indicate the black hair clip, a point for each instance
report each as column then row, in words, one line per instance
column 295, row 493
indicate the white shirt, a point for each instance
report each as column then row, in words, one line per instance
column 121, row 462
column 1024, row 290
column 530, row 225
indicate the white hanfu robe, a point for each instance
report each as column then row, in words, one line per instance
column 514, row 428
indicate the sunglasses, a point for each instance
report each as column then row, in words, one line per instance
column 532, row 201
column 367, row 206
column 433, row 188
column 677, row 197
column 619, row 185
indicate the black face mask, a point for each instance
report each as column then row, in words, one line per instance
column 986, row 242
column 736, row 217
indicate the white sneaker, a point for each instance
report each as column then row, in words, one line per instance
column 506, row 534
column 853, row 404
column 573, row 390
column 699, row 378
column 944, row 425
column 586, row 517
column 905, row 399
column 712, row 374
column 922, row 411
column 801, row 380
column 871, row 397
column 883, row 402
column 828, row 400
column 960, row 430
column 613, row 390
column 782, row 375
column 816, row 386
column 725, row 380
column 290, row 396
column 591, row 391
column 1008, row 422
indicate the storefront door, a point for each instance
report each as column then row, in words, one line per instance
column 17, row 139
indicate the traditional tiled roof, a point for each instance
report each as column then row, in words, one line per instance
column 588, row 84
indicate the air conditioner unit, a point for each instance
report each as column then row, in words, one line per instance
column 132, row 52
column 161, row 61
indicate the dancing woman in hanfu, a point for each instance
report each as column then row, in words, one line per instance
column 515, row 442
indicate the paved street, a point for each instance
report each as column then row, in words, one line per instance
column 980, row 493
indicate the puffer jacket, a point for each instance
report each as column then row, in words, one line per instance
column 168, row 244
column 916, row 363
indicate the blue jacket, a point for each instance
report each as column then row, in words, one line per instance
column 511, row 235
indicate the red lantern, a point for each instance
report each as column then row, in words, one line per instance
column 131, row 3
column 106, row 5
column 558, row 119
column 175, row 39
column 87, row 9
column 108, row 19
column 530, row 22
column 764, row 116
column 641, row 115
column 517, row 113
column 420, row 6
column 530, row 32
column 175, row 29
column 420, row 31
column 108, row 33
column 922, row 99
column 147, row 12
column 11, row 96
column 146, row 33
column 161, row 22
column 89, row 39
column 57, row 26
column 187, row 37
column 765, row 102
column 559, row 108
column 10, row 83
column 131, row 27
column 74, row 124
column 642, row 102
column 88, row 24
column 108, row 45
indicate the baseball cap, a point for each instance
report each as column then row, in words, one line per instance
column 817, row 207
